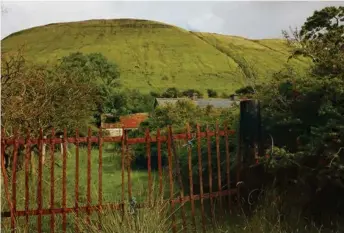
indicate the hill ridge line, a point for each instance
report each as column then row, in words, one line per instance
column 153, row 58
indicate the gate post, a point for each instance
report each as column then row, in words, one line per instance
column 250, row 130
column 250, row 148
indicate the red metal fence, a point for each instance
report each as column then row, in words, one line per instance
column 15, row 142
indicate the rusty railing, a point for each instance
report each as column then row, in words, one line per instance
column 9, row 175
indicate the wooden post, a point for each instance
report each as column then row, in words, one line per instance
column 61, row 146
column 43, row 150
column 250, row 140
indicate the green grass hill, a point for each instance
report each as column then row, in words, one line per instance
column 155, row 56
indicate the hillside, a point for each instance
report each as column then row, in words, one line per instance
column 154, row 56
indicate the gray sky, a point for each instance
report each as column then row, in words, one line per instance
column 253, row 20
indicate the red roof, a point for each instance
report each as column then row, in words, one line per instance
column 129, row 121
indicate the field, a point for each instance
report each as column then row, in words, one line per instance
column 111, row 187
column 155, row 56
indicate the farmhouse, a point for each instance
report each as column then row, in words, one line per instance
column 202, row 103
column 127, row 123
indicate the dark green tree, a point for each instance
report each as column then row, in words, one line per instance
column 211, row 93
column 190, row 92
column 124, row 102
column 321, row 38
column 305, row 117
column 171, row 92
column 96, row 70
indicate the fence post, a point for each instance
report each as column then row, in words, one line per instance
column 250, row 139
column 61, row 146
column 43, row 150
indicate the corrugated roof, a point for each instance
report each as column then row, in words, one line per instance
column 165, row 101
column 202, row 103
column 216, row 103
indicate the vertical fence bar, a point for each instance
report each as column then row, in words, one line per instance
column 14, row 181
column 64, row 182
column 149, row 166
column 100, row 176
column 169, row 139
column 52, row 180
column 200, row 171
column 238, row 168
column 218, row 159
column 179, row 176
column 228, row 166
column 190, row 176
column 4, row 174
column 210, row 174
column 159, row 161
column 39, row 187
column 27, row 159
column 89, row 151
column 128, row 167
column 123, row 167
column 77, row 178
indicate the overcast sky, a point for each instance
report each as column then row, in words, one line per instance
column 253, row 20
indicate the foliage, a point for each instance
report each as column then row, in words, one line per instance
column 36, row 97
column 154, row 94
column 124, row 102
column 171, row 93
column 310, row 114
column 246, row 91
column 190, row 93
column 304, row 115
column 185, row 112
column 94, row 69
column 178, row 116
column 321, row 38
column 211, row 93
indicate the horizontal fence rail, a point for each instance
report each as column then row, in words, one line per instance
column 173, row 179
column 95, row 139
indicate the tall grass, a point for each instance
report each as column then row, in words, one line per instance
column 152, row 219
column 268, row 216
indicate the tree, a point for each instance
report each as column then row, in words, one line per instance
column 36, row 97
column 321, row 38
column 246, row 91
column 94, row 69
column 155, row 94
column 190, row 93
column 128, row 101
column 211, row 93
column 305, row 115
column 171, row 92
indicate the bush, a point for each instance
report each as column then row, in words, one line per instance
column 305, row 117
column 211, row 93
column 190, row 92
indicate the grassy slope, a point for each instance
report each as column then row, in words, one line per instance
column 154, row 56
